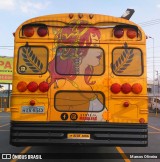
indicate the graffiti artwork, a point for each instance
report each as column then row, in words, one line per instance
column 77, row 56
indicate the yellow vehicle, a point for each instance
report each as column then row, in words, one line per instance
column 79, row 79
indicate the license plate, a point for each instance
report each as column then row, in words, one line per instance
column 33, row 109
column 78, row 136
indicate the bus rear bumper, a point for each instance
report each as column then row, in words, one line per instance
column 102, row 134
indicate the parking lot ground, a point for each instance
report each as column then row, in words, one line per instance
column 123, row 153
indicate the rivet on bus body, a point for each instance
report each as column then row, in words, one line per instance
column 126, row 104
column 80, row 15
column 71, row 15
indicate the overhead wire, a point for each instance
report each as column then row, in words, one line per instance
column 150, row 22
column 6, row 47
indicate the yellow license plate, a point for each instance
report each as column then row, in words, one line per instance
column 78, row 136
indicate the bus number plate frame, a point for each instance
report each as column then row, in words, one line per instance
column 78, row 136
column 33, row 109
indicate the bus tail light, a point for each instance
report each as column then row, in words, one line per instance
column 131, row 33
column 32, row 102
column 42, row 31
column 141, row 120
column 22, row 86
column 115, row 88
column 126, row 104
column 43, row 86
column 28, row 31
column 32, row 86
column 136, row 88
column 126, row 88
column 118, row 32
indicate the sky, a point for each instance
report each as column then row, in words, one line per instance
column 147, row 14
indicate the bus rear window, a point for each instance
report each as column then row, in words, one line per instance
column 127, row 62
column 79, row 101
column 32, row 60
column 80, row 61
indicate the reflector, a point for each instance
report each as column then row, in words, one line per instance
column 141, row 120
column 28, row 31
column 43, row 86
column 32, row 86
column 115, row 88
column 136, row 88
column 22, row 86
column 126, row 104
column 131, row 33
column 32, row 102
column 118, row 32
column 42, row 31
column 126, row 88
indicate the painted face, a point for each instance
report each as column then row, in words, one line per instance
column 93, row 57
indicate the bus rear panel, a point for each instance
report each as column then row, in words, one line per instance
column 79, row 79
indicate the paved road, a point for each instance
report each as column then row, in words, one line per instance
column 123, row 153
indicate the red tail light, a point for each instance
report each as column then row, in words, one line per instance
column 32, row 102
column 136, row 88
column 118, row 32
column 115, row 88
column 28, row 31
column 43, row 86
column 32, row 86
column 131, row 33
column 22, row 86
column 126, row 104
column 42, row 31
column 141, row 120
column 126, row 88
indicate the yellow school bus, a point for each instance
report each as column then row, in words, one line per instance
column 79, row 79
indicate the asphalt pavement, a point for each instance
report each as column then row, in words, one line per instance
column 81, row 153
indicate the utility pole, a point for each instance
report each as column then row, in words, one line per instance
column 157, row 98
column 153, row 70
column 158, row 82
column 153, row 66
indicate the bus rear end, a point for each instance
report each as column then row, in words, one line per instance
column 79, row 79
